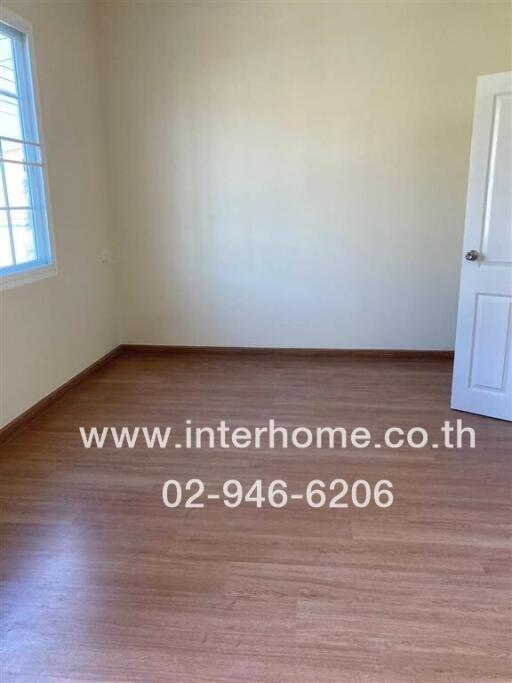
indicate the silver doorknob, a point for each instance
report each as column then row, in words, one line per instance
column 472, row 255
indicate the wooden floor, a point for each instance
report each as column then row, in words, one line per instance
column 101, row 582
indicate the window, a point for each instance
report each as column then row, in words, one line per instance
column 25, row 244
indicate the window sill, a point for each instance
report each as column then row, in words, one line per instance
column 25, row 277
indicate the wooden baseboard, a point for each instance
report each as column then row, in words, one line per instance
column 389, row 354
column 23, row 420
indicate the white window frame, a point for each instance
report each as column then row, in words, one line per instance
column 28, row 273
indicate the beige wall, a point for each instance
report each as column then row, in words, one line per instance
column 282, row 174
column 52, row 329
column 293, row 173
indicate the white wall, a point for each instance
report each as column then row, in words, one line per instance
column 282, row 174
column 52, row 329
column 293, row 173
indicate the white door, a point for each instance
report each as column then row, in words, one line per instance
column 482, row 379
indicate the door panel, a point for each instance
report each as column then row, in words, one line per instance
column 496, row 243
column 491, row 348
column 482, row 379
